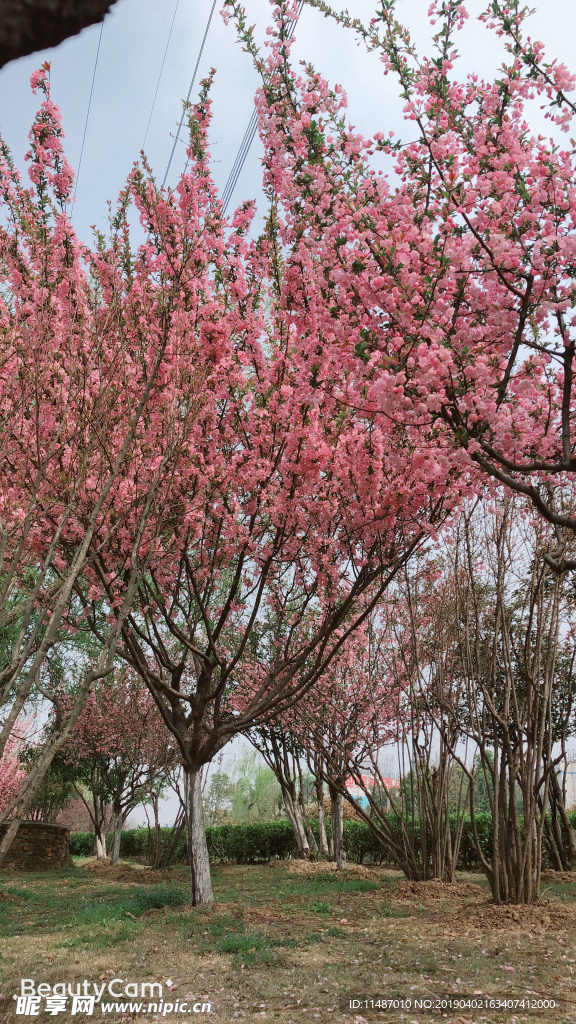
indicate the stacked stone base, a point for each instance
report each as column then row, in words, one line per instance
column 38, row 846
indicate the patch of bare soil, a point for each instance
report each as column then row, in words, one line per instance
column 266, row 914
column 319, row 867
column 123, row 872
column 543, row 917
column 435, row 890
column 558, row 876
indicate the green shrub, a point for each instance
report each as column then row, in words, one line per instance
column 268, row 840
column 81, row 844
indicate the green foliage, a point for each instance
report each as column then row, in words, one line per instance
column 246, row 844
column 81, row 844
column 251, row 793
column 135, row 842
column 12, row 890
column 140, row 900
column 56, row 788
column 268, row 840
column 242, row 943
column 256, row 793
column 156, row 898
column 321, row 908
column 218, row 799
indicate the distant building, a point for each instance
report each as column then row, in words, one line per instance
column 358, row 792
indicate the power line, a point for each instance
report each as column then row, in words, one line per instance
column 161, row 70
column 189, row 92
column 241, row 155
column 88, row 113
column 248, row 139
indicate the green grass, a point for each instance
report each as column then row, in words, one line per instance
column 12, row 890
column 326, row 883
column 111, row 916
column 386, row 910
column 249, row 949
column 321, row 908
column 288, row 952
column 255, row 948
column 242, row 943
column 224, row 924
column 102, row 933
column 136, row 903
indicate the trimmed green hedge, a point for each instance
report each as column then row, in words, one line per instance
column 245, row 844
column 267, row 840
column 135, row 842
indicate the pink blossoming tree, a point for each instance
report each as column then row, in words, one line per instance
column 453, row 286
column 121, row 753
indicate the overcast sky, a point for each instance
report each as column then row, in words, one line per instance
column 132, row 47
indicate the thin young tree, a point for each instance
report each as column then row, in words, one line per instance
column 514, row 621
column 120, row 750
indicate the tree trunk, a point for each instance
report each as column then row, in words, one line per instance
column 312, row 844
column 321, row 817
column 197, row 846
column 117, row 826
column 23, row 799
column 100, row 845
column 157, row 833
column 300, row 832
column 99, row 819
column 557, row 799
column 337, row 812
column 310, row 835
column 295, row 818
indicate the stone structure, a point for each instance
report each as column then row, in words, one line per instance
column 38, row 846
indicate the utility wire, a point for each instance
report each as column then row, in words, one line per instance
column 189, row 92
column 161, row 70
column 241, row 155
column 248, row 139
column 88, row 113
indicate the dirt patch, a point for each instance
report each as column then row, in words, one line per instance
column 544, row 917
column 137, row 874
column 267, row 914
column 558, row 876
column 311, row 868
column 437, row 891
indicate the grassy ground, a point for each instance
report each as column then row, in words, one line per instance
column 286, row 944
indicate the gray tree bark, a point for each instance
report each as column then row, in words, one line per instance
column 30, row 25
column 321, row 817
column 337, row 814
column 197, row 846
column 117, row 829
